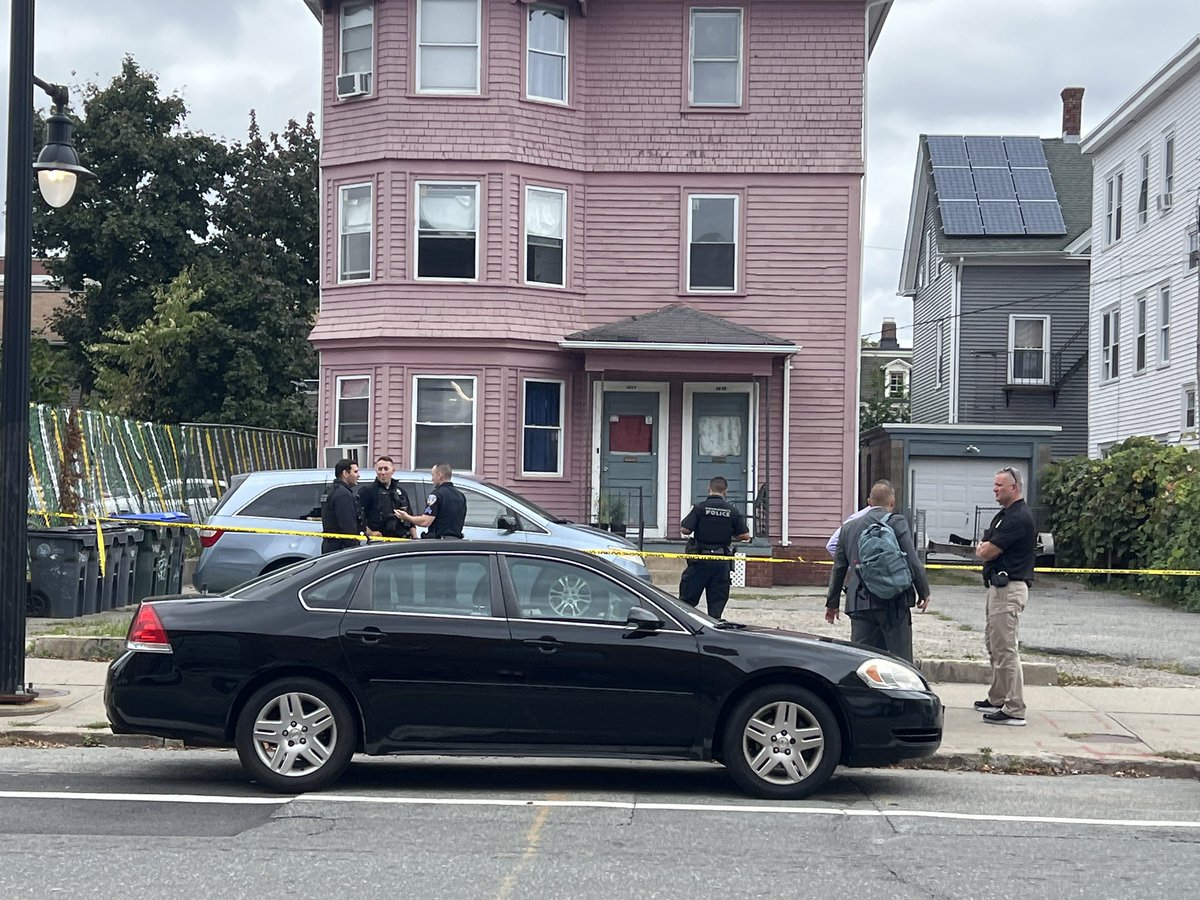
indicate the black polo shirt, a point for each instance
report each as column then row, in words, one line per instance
column 1014, row 532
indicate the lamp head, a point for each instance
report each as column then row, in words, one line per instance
column 57, row 166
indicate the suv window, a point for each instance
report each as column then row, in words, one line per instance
column 482, row 512
column 289, row 501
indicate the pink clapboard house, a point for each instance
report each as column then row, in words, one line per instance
column 599, row 251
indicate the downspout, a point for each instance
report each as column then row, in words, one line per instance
column 955, row 320
column 784, row 538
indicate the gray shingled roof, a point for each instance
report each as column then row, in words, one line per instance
column 1071, row 173
column 678, row 324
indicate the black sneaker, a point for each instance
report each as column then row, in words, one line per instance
column 1000, row 717
column 987, row 706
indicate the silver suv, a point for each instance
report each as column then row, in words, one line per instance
column 289, row 500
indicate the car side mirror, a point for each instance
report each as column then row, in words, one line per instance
column 642, row 620
column 507, row 522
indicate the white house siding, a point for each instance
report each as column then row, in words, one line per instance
column 1147, row 257
column 929, row 402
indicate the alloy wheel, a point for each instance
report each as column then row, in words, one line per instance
column 570, row 596
column 783, row 743
column 295, row 734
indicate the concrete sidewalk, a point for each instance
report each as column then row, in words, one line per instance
column 1150, row 731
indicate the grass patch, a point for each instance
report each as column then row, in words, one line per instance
column 99, row 724
column 117, row 629
column 1180, row 755
column 1172, row 667
column 937, row 614
column 1068, row 679
column 966, row 627
column 90, row 740
column 22, row 724
column 955, row 576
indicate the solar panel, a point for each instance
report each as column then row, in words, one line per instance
column 1034, row 184
column 994, row 184
column 947, row 150
column 986, row 151
column 960, row 217
column 953, row 183
column 1001, row 217
column 1043, row 217
column 1025, row 151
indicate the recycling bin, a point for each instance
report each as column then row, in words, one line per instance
column 64, row 572
column 159, row 558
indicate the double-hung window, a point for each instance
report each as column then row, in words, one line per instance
column 542, row 451
column 545, row 236
column 716, row 57
column 1189, row 407
column 1193, row 249
column 1168, row 168
column 448, row 46
column 356, row 215
column 1143, row 211
column 447, row 229
column 940, row 351
column 897, row 385
column 353, row 410
column 712, row 242
column 445, row 422
column 1113, row 190
column 1139, row 338
column 1164, row 325
column 1110, row 345
column 356, row 37
column 546, row 57
column 1029, row 349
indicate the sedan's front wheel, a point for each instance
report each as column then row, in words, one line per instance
column 295, row 734
column 781, row 742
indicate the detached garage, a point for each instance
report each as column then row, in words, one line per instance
column 943, row 473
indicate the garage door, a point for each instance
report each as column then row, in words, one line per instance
column 949, row 490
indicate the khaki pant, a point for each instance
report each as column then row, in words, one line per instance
column 1004, row 608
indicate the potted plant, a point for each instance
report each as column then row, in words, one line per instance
column 612, row 513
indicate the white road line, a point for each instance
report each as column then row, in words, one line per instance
column 634, row 806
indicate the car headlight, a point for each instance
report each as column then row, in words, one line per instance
column 889, row 676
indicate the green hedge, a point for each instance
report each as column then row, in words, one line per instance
column 1138, row 508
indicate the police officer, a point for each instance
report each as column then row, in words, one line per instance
column 382, row 500
column 712, row 527
column 340, row 512
column 445, row 509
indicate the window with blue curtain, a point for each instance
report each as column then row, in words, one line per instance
column 543, row 428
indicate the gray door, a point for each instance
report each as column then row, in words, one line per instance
column 720, row 443
column 629, row 453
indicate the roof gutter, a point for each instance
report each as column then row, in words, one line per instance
column 314, row 6
column 774, row 349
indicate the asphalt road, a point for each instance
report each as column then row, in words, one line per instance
column 1068, row 619
column 93, row 822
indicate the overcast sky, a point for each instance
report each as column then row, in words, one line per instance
column 941, row 66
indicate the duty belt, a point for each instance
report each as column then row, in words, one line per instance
column 721, row 551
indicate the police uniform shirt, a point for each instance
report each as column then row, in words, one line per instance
column 714, row 523
column 379, row 506
column 1014, row 532
column 448, row 507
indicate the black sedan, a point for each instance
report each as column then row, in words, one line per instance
column 486, row 649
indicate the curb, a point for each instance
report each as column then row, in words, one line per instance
column 1053, row 764
column 91, row 738
column 968, row 671
column 58, row 646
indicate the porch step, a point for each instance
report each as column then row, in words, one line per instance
column 665, row 572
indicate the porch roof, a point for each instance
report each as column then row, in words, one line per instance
column 678, row 328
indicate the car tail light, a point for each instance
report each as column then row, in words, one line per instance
column 146, row 632
column 209, row 536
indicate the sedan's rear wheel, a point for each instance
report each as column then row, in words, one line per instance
column 781, row 742
column 295, row 734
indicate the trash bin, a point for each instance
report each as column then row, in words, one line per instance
column 120, row 559
column 159, row 559
column 64, row 572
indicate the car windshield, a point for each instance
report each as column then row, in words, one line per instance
column 264, row 586
column 518, row 500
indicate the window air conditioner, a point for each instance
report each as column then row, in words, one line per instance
column 358, row 453
column 1164, row 201
column 353, row 84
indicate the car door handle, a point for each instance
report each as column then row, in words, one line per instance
column 366, row 635
column 544, row 646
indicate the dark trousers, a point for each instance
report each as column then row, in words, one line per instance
column 888, row 628
column 708, row 578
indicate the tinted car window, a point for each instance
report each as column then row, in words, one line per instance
column 482, row 512
column 452, row 584
column 552, row 589
column 289, row 501
column 332, row 592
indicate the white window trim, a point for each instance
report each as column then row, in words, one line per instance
column 741, row 60
column 417, row 185
column 902, row 369
column 1143, row 215
column 562, row 426
column 525, row 236
column 566, row 56
column 337, row 407
column 1106, row 365
column 1012, row 349
column 478, row 45
column 940, row 339
column 1114, row 207
column 341, row 51
column 1186, row 430
column 412, row 436
column 1191, row 238
column 737, row 244
column 1169, row 179
column 342, row 189
column 1141, row 330
column 1163, row 325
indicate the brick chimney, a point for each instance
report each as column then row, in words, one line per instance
column 1072, row 99
column 887, row 335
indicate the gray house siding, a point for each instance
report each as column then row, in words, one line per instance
column 929, row 403
column 989, row 296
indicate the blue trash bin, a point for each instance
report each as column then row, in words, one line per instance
column 159, row 565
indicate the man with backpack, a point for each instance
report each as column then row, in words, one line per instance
column 877, row 562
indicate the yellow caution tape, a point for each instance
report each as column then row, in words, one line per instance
column 37, row 488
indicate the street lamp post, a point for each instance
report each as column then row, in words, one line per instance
column 58, row 172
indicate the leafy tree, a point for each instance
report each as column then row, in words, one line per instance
column 142, row 222
column 880, row 409
column 49, row 372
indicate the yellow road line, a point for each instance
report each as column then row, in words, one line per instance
column 533, row 839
